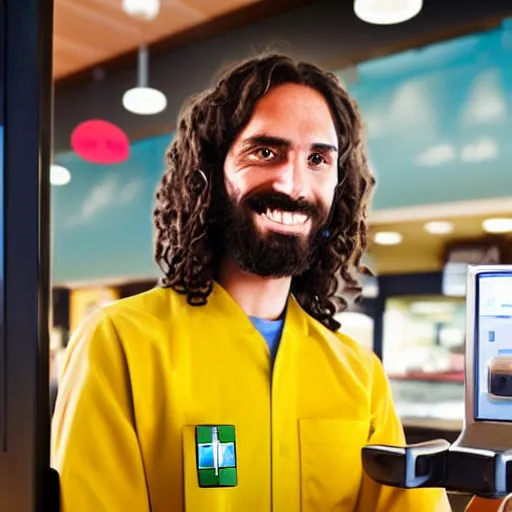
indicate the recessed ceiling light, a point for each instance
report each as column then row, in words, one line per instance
column 439, row 227
column 387, row 12
column 387, row 238
column 59, row 175
column 497, row 225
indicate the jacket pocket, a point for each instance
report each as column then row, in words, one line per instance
column 214, row 499
column 331, row 467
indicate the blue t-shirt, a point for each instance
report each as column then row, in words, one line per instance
column 271, row 330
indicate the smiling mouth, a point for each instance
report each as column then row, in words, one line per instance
column 285, row 218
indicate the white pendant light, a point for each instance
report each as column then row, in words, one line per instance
column 387, row 12
column 59, row 175
column 146, row 10
column 144, row 100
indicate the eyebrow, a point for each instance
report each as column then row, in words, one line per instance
column 278, row 142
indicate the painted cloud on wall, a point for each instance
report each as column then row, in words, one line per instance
column 108, row 193
column 486, row 101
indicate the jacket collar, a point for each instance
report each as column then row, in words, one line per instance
column 223, row 304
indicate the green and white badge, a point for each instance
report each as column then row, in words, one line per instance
column 216, row 455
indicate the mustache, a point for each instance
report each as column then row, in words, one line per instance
column 260, row 202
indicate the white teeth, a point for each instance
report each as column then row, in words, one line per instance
column 299, row 218
column 287, row 218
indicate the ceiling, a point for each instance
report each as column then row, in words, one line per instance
column 89, row 32
column 421, row 251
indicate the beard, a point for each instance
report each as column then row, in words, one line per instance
column 269, row 253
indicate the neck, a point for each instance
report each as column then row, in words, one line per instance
column 261, row 297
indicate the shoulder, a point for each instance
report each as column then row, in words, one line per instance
column 357, row 350
column 147, row 314
column 127, row 321
column 350, row 355
column 155, row 303
column 364, row 362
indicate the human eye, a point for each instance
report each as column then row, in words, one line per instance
column 264, row 154
column 316, row 160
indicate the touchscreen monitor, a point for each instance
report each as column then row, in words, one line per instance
column 493, row 346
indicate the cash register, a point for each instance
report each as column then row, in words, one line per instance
column 479, row 462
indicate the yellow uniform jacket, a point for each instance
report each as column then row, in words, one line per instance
column 144, row 372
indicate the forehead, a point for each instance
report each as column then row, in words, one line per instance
column 293, row 112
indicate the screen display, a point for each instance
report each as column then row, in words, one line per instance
column 493, row 347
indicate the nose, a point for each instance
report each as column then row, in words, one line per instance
column 290, row 178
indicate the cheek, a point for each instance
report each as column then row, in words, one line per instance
column 235, row 187
column 244, row 181
column 231, row 180
column 327, row 193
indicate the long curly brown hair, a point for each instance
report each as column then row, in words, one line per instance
column 187, row 213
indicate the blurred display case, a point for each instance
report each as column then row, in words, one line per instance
column 423, row 356
column 419, row 333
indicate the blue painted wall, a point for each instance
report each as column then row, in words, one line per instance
column 439, row 123
column 102, row 218
column 439, row 120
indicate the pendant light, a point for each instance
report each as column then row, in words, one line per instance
column 144, row 100
column 387, row 12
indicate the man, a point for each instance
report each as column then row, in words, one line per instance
column 228, row 387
